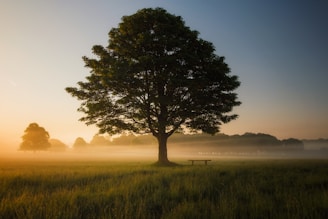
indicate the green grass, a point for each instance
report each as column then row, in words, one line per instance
column 224, row 189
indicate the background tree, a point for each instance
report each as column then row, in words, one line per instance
column 36, row 138
column 156, row 76
column 57, row 145
column 80, row 143
column 293, row 143
column 99, row 140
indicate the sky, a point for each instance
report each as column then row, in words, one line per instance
column 277, row 48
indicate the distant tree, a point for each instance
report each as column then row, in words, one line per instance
column 259, row 139
column 57, row 145
column 293, row 143
column 80, row 143
column 124, row 139
column 156, row 76
column 146, row 139
column 36, row 138
column 99, row 140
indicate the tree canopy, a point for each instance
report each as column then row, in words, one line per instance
column 80, row 143
column 35, row 138
column 156, row 76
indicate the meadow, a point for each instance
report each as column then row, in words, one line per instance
column 236, row 188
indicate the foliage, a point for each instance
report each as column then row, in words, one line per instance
column 36, row 138
column 292, row 142
column 156, row 76
column 130, row 139
column 228, row 189
column 99, row 140
column 80, row 143
column 57, row 145
column 259, row 140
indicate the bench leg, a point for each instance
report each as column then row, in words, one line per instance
column 206, row 162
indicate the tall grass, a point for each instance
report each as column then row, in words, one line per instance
column 224, row 189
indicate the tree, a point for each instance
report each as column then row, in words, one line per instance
column 293, row 143
column 80, row 143
column 99, row 140
column 156, row 76
column 36, row 138
column 57, row 145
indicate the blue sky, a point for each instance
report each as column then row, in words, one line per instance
column 278, row 48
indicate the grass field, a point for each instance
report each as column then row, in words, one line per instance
column 224, row 189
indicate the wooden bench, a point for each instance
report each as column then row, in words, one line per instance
column 192, row 161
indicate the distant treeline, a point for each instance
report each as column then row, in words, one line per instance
column 247, row 140
column 258, row 141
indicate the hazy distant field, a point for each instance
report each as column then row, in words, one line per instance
column 224, row 189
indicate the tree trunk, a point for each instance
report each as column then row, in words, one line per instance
column 162, row 150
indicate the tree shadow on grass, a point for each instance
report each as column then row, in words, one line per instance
column 166, row 164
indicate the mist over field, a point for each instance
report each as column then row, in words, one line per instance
column 180, row 148
column 253, row 174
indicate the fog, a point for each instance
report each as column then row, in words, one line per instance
column 94, row 153
column 178, row 152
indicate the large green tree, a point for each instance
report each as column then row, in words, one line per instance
column 156, row 76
